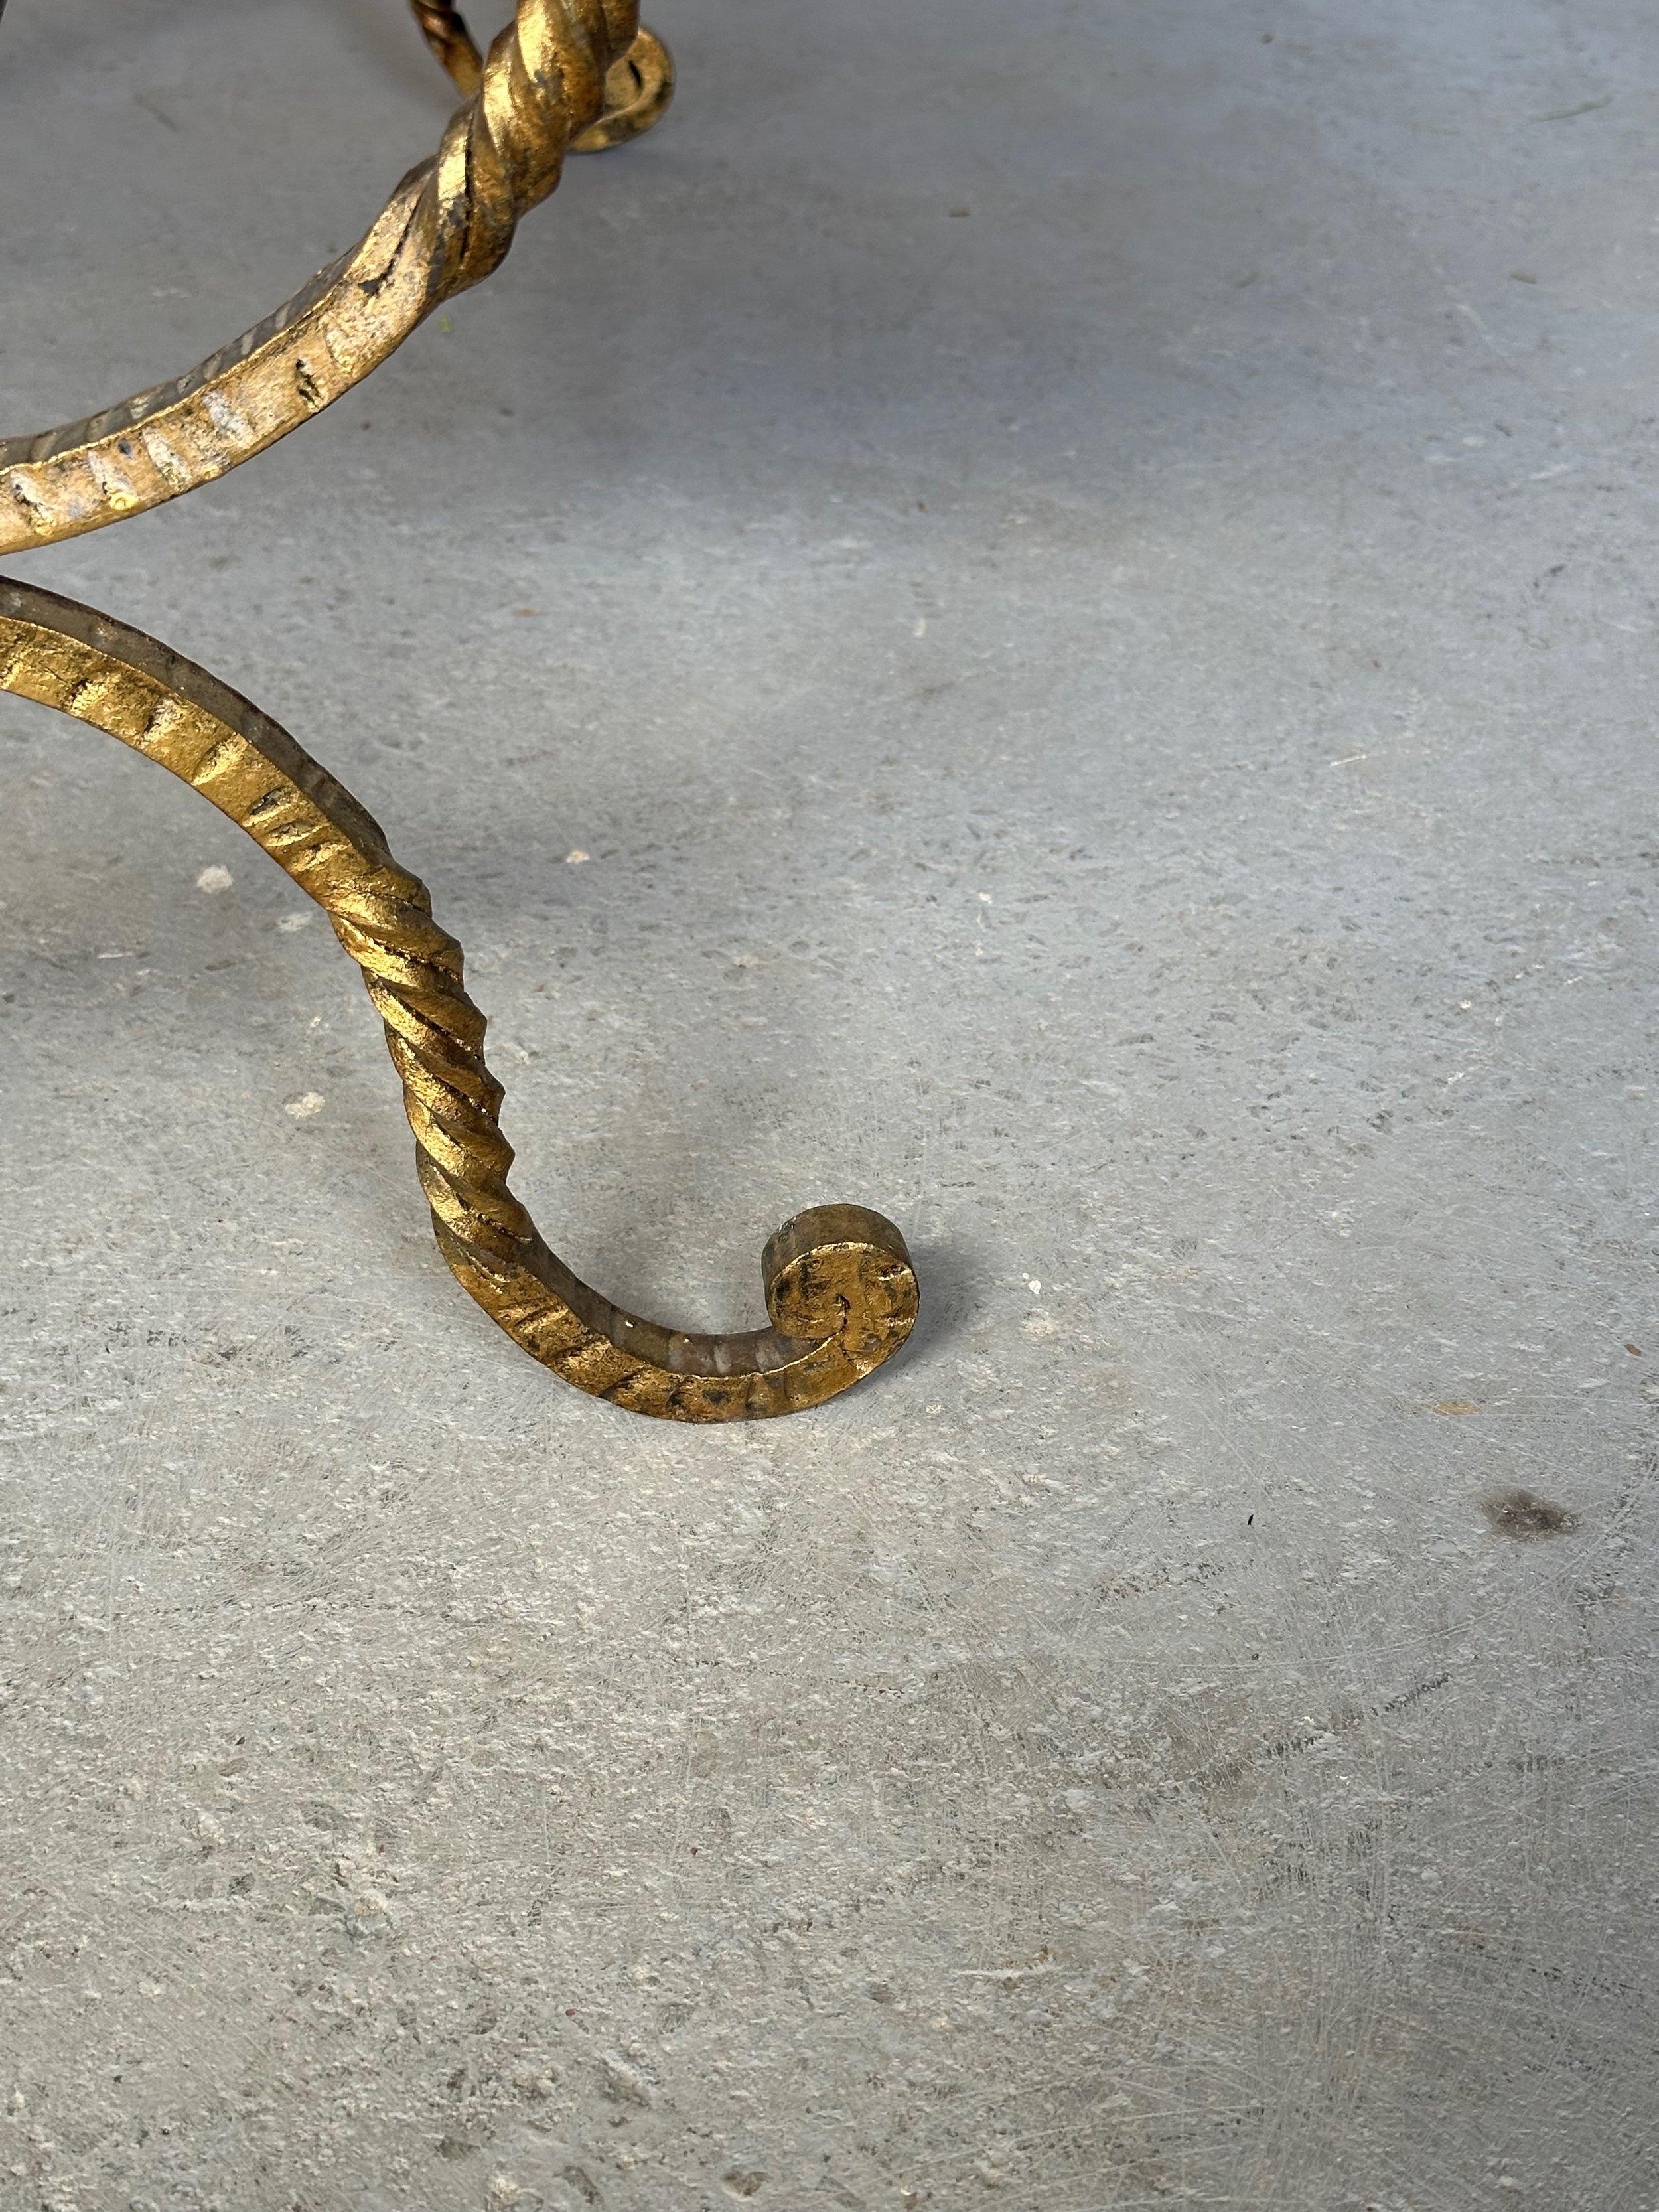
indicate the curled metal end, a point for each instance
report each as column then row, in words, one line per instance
column 842, row 1271
column 840, row 1276
column 637, row 89
column 840, row 1288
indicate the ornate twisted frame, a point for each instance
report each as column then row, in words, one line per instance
column 564, row 76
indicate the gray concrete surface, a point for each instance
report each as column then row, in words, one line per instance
column 1084, row 576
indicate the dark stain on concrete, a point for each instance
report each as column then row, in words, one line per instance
column 1521, row 1514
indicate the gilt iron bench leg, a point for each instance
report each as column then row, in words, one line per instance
column 839, row 1284
column 563, row 76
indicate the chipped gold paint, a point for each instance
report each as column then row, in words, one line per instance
column 839, row 1286
column 565, row 74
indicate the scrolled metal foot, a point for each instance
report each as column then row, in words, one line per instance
column 445, row 31
column 541, row 91
column 840, row 1288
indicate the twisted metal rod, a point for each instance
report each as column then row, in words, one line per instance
column 445, row 33
column 840, row 1288
column 541, row 91
column 566, row 75
column 636, row 90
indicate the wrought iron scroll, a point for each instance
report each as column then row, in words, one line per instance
column 564, row 76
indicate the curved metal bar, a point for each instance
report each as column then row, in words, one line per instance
column 541, row 91
column 445, row 31
column 840, row 1288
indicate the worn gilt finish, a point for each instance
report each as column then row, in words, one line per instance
column 541, row 91
column 636, row 89
column 565, row 74
column 839, row 1284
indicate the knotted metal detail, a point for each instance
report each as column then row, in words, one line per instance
column 566, row 75
column 636, row 90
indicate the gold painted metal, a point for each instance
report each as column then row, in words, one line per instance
column 541, row 91
column 565, row 75
column 840, row 1288
column 637, row 88
column 453, row 43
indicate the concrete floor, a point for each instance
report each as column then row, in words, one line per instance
column 1084, row 576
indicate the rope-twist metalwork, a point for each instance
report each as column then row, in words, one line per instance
column 839, row 1289
column 448, row 224
column 839, row 1284
column 445, row 31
